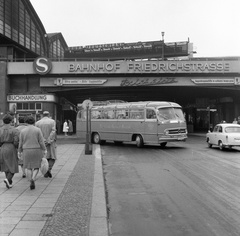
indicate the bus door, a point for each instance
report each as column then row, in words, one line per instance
column 122, row 125
column 136, row 121
column 151, row 126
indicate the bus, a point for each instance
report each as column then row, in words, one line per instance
column 147, row 122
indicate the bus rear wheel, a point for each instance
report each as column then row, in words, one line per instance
column 96, row 138
column 139, row 141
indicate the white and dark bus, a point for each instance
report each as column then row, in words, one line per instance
column 148, row 122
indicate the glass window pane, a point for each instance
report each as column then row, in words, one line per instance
column 96, row 114
column 25, row 106
column 137, row 114
column 32, row 105
column 38, row 106
column 19, row 106
column 122, row 114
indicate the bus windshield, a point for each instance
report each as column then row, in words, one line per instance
column 170, row 113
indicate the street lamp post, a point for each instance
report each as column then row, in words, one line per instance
column 163, row 45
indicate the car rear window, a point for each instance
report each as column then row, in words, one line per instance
column 232, row 129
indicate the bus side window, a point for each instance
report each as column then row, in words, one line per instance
column 140, row 115
column 121, row 114
column 95, row 114
column 109, row 114
column 151, row 114
column 136, row 114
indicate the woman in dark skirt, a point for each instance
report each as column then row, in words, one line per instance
column 32, row 148
column 9, row 137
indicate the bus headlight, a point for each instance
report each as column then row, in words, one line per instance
column 166, row 132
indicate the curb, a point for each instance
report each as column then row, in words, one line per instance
column 98, row 219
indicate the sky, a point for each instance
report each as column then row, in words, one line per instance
column 213, row 26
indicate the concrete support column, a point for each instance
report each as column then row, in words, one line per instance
column 4, row 86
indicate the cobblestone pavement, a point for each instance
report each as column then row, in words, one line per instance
column 71, row 214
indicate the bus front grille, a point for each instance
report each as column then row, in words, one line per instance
column 177, row 131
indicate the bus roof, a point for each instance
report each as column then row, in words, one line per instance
column 142, row 104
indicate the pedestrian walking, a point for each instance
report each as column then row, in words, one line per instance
column 9, row 139
column 65, row 127
column 58, row 127
column 48, row 128
column 238, row 121
column 22, row 125
column 235, row 121
column 32, row 148
column 70, row 127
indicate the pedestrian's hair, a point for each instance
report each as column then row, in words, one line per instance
column 7, row 119
column 46, row 113
column 21, row 119
column 29, row 120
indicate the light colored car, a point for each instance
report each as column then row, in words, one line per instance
column 225, row 135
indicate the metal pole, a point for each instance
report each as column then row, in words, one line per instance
column 88, row 147
column 163, row 46
column 209, row 120
column 87, row 133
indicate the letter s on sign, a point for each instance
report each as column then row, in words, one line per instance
column 42, row 65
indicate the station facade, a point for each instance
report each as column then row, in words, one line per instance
column 36, row 75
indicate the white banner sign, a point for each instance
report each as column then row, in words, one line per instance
column 61, row 81
column 31, row 98
column 214, row 81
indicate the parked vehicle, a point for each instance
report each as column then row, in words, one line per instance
column 224, row 135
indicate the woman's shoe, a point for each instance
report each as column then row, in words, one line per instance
column 32, row 185
column 49, row 174
column 46, row 175
column 8, row 185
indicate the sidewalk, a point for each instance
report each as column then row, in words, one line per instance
column 72, row 202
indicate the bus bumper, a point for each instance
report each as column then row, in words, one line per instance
column 172, row 138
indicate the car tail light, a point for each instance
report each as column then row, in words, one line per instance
column 227, row 138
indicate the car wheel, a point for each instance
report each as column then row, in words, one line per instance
column 139, row 141
column 209, row 144
column 220, row 144
column 96, row 138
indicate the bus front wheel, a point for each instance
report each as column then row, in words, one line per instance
column 139, row 141
column 96, row 138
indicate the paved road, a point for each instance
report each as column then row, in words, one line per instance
column 185, row 189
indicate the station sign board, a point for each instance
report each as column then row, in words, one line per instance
column 31, row 98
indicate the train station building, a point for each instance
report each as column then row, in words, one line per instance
column 39, row 71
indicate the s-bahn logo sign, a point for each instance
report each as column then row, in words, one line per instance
column 42, row 65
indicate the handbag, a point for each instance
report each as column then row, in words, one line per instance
column 44, row 165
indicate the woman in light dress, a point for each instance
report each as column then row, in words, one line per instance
column 32, row 148
column 65, row 127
